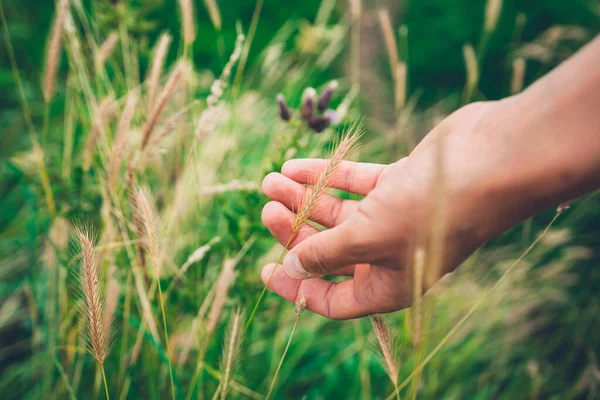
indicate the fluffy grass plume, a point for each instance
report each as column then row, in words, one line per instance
column 149, row 220
column 103, row 112
column 518, row 76
column 187, row 17
column 119, row 147
column 306, row 211
column 341, row 152
column 222, row 288
column 472, row 71
column 385, row 340
column 161, row 101
column 54, row 45
column 492, row 14
column 214, row 13
column 153, row 79
column 231, row 349
column 91, row 281
column 105, row 50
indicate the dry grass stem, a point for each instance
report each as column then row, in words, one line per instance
column 113, row 290
column 119, row 147
column 518, row 77
column 417, row 312
column 300, row 307
column 390, row 39
column 105, row 50
column 492, row 14
column 150, row 230
column 103, row 111
column 187, row 16
column 217, row 87
column 158, row 108
column 214, row 13
column 222, row 285
column 153, row 80
column 472, row 70
column 137, row 218
column 53, row 55
column 230, row 352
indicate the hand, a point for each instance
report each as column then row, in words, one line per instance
column 502, row 162
column 374, row 240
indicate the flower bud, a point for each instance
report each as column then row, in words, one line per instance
column 333, row 116
column 318, row 123
column 325, row 98
column 308, row 103
column 284, row 110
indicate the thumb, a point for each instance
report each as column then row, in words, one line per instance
column 327, row 251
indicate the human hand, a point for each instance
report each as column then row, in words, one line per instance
column 503, row 162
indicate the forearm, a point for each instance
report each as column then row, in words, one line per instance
column 552, row 132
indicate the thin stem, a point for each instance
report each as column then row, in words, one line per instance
column 64, row 377
column 199, row 366
column 105, row 384
column 164, row 319
column 264, row 290
column 287, row 346
column 460, row 323
column 251, row 31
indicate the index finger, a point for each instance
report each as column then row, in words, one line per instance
column 353, row 177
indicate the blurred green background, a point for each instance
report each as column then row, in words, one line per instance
column 536, row 338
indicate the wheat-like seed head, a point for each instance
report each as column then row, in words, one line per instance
column 341, row 152
column 222, row 285
column 518, row 78
column 417, row 309
column 231, row 349
column 492, row 14
column 187, row 15
column 120, row 145
column 113, row 290
column 105, row 50
column 153, row 80
column 103, row 111
column 137, row 218
column 300, row 305
column 389, row 38
column 471, row 65
column 53, row 55
column 214, row 13
column 150, row 228
column 91, row 279
column 386, row 345
column 157, row 110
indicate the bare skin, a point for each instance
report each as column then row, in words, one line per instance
column 504, row 162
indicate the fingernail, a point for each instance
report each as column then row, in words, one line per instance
column 293, row 267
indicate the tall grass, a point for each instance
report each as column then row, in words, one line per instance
column 166, row 171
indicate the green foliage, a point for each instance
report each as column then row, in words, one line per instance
column 534, row 337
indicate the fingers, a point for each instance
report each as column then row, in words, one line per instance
column 329, row 210
column 279, row 219
column 330, row 299
column 353, row 177
column 327, row 251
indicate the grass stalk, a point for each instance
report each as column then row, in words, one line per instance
column 164, row 320
column 299, row 308
column 473, row 308
column 105, row 384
